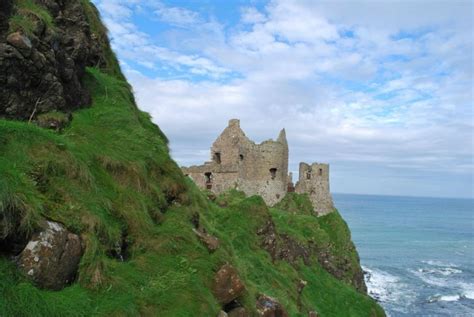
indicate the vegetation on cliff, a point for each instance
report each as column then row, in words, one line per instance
column 108, row 177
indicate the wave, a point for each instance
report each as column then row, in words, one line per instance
column 387, row 288
column 445, row 271
column 429, row 279
column 467, row 290
column 444, row 298
column 462, row 290
column 437, row 273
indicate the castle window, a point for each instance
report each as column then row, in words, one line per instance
column 217, row 157
column 241, row 157
column 208, row 177
column 320, row 172
column 273, row 172
column 308, row 175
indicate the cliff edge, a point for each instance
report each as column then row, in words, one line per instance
column 97, row 219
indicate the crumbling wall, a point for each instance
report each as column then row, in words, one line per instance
column 237, row 162
column 260, row 169
column 314, row 181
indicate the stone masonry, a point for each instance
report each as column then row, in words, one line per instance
column 259, row 169
column 314, row 180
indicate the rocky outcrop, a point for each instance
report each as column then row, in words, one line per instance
column 282, row 247
column 227, row 285
column 51, row 258
column 339, row 266
column 41, row 68
column 270, row 307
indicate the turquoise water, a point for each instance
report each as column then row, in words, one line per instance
column 418, row 252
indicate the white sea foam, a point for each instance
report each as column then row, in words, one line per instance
column 449, row 298
column 444, row 298
column 387, row 288
column 429, row 279
column 467, row 290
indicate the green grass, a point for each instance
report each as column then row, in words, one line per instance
column 109, row 174
column 109, row 63
column 27, row 11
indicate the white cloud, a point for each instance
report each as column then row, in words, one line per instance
column 138, row 46
column 176, row 16
column 372, row 87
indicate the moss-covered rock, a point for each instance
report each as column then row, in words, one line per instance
column 44, row 52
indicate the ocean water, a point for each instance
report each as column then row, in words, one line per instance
column 418, row 252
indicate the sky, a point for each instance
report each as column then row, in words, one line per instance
column 380, row 90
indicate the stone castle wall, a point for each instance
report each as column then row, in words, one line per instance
column 237, row 162
column 259, row 169
column 314, row 180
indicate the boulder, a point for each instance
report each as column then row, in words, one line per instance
column 270, row 307
column 51, row 258
column 227, row 285
column 211, row 242
column 313, row 314
column 222, row 314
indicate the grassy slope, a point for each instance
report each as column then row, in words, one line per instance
column 108, row 174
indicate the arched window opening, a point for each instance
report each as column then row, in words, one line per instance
column 308, row 175
column 320, row 172
column 273, row 172
column 241, row 157
column 208, row 177
column 217, row 157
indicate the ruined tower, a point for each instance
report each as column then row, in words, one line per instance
column 260, row 169
column 314, row 180
column 237, row 162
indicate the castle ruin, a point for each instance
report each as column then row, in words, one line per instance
column 260, row 169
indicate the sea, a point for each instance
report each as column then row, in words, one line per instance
column 417, row 252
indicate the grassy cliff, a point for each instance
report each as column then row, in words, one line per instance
column 108, row 177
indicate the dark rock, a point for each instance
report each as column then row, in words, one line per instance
column 270, row 307
column 227, row 285
column 44, row 71
column 211, row 242
column 5, row 10
column 282, row 247
column 339, row 266
column 51, row 258
column 12, row 239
